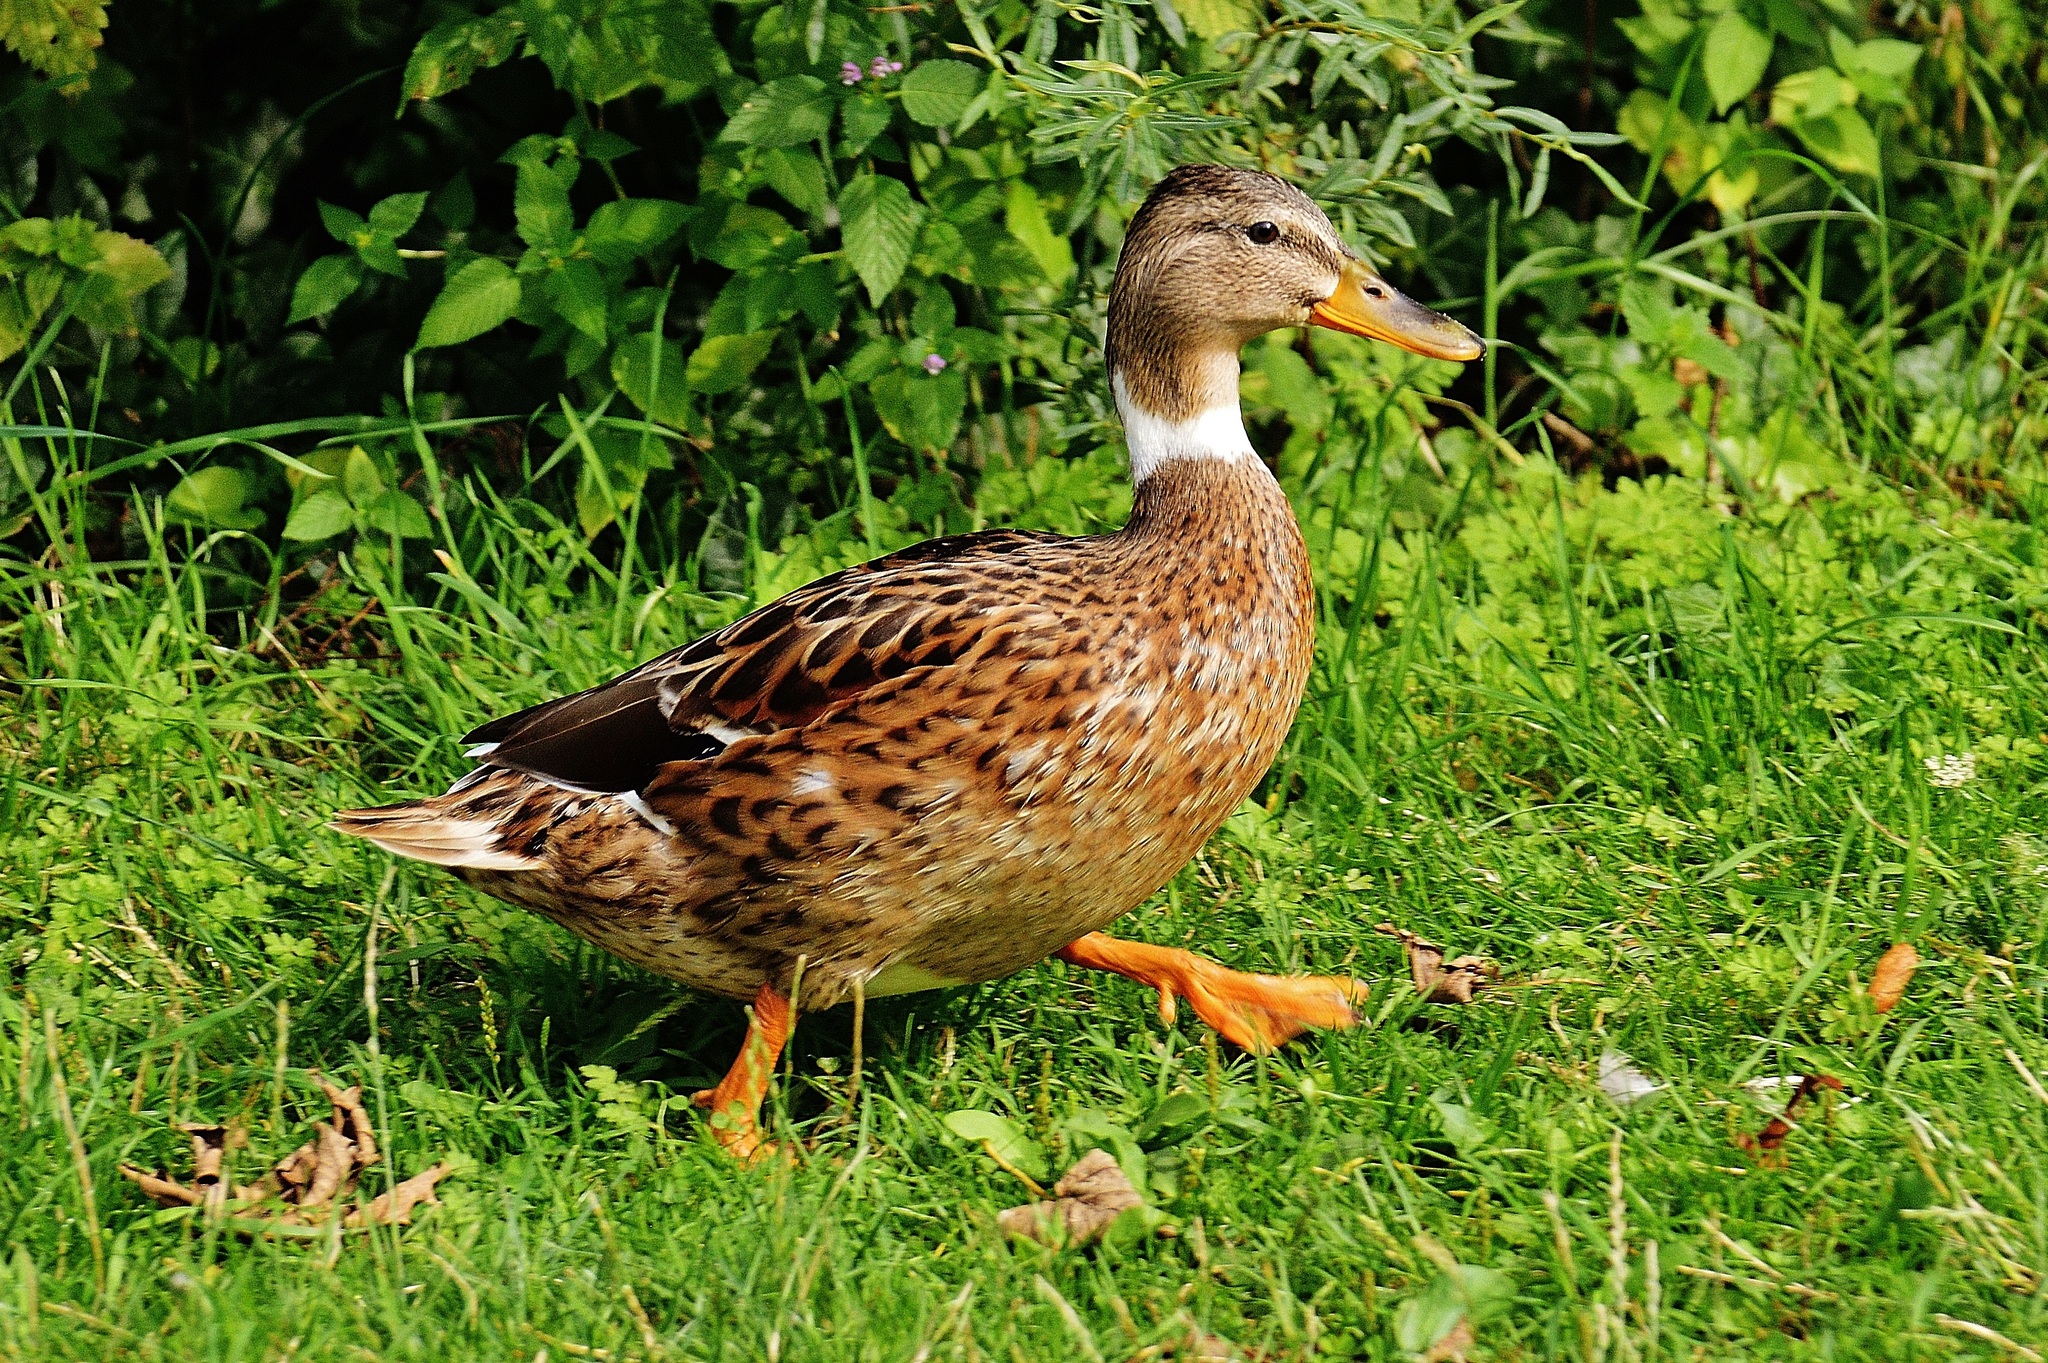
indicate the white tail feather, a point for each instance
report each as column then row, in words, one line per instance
column 418, row 832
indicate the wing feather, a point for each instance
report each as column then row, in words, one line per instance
column 783, row 666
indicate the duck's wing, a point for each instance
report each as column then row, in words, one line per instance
column 781, row 667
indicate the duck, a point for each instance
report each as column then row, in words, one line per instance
column 948, row 764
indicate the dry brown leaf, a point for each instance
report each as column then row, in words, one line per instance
column 209, row 1149
column 1894, row 972
column 395, row 1207
column 1086, row 1199
column 1435, row 981
column 163, row 1190
column 310, row 1186
column 352, row 1120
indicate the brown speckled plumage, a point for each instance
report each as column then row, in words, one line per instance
column 950, row 763
column 967, row 754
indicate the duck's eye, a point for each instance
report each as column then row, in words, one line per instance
column 1264, row 233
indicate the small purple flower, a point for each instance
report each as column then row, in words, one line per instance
column 849, row 73
column 881, row 66
column 934, row 363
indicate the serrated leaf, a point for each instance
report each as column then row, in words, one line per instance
column 936, row 93
column 60, row 38
column 540, row 201
column 797, row 175
column 132, row 266
column 577, row 292
column 343, row 225
column 392, row 218
column 324, row 286
column 878, row 225
column 723, row 363
column 1736, row 57
column 921, row 410
column 624, row 230
column 321, row 516
column 783, row 113
column 451, row 54
column 862, row 118
column 481, row 295
column 633, row 370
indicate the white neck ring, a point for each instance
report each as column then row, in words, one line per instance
column 1216, row 433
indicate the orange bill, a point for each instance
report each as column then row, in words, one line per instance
column 1366, row 305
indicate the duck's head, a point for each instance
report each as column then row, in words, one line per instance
column 1215, row 257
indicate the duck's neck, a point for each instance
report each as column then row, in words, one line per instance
column 1185, row 409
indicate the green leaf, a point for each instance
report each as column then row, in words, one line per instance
column 934, row 314
column 481, row 295
column 1810, row 94
column 1002, row 1138
column 217, row 495
column 344, row 226
column 797, row 175
column 1174, row 1110
column 1886, row 56
column 1025, row 215
column 1843, row 139
column 783, row 113
column 862, row 118
column 1214, row 18
column 723, row 363
column 392, row 218
column 1467, row 1130
column 878, row 228
column 60, row 38
column 131, row 266
column 399, row 516
column 921, row 410
column 937, row 93
column 540, row 201
column 744, row 236
column 578, row 294
column 361, row 482
column 451, row 54
column 622, row 231
column 322, row 288
column 321, row 516
column 1737, row 55
column 633, row 371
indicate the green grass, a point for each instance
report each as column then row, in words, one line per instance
column 1666, row 765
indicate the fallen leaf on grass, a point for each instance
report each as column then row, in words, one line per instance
column 1438, row 982
column 1086, row 1200
column 1894, row 972
column 1774, row 1133
column 307, row 1185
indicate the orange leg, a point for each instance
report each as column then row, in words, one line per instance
column 1258, row 1012
column 736, row 1103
